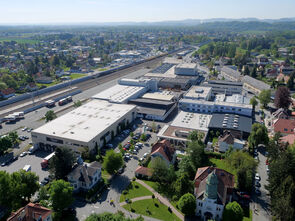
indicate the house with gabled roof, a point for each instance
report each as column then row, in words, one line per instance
column 84, row 176
column 31, row 212
column 164, row 150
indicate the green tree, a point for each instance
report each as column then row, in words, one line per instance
column 50, row 115
column 183, row 185
column 113, row 161
column 193, row 135
column 61, row 195
column 258, row 135
column 264, row 97
column 160, row 170
column 2, row 85
column 5, row 144
column 233, row 211
column 62, row 162
column 154, row 127
column 6, row 190
column 290, row 82
column 186, row 166
column 253, row 102
column 187, row 204
column 25, row 184
column 254, row 73
column 196, row 153
column 78, row 103
column 13, row 136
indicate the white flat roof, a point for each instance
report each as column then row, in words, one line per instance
column 159, row 95
column 86, row 122
column 187, row 65
column 203, row 102
column 118, row 93
column 198, row 92
column 193, row 121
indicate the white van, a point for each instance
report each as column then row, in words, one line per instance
column 27, row 168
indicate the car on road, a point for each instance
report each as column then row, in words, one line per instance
column 267, row 169
column 257, row 183
column 29, row 130
column 23, row 154
column 3, row 164
column 257, row 176
column 257, row 192
column 21, row 138
column 24, row 129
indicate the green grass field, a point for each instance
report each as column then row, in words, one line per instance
column 76, row 75
column 136, row 190
column 19, row 40
column 159, row 212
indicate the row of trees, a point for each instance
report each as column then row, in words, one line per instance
column 281, row 179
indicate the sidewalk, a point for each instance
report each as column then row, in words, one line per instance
column 161, row 199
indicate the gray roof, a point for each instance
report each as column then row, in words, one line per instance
column 222, row 82
column 84, row 172
column 256, row 83
column 230, row 71
column 242, row 123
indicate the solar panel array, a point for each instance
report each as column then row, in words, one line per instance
column 163, row 68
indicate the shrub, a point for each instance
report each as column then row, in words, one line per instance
column 134, row 178
column 187, row 204
column 125, row 192
column 169, row 209
column 136, row 186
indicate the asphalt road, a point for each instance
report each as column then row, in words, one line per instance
column 88, row 84
column 262, row 203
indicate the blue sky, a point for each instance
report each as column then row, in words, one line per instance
column 71, row 11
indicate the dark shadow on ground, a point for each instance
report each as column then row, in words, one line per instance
column 119, row 183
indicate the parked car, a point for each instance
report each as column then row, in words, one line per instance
column 29, row 130
column 145, row 155
column 257, row 191
column 3, row 164
column 257, row 184
column 257, row 177
column 23, row 154
column 24, row 129
column 121, row 170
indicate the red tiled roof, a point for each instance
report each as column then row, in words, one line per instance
column 144, row 171
column 286, row 126
column 32, row 212
column 8, row 91
column 164, row 148
column 290, row 139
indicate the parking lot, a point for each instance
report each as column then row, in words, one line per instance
column 33, row 160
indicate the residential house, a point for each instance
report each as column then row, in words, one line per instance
column 213, row 189
column 7, row 93
column 290, row 139
column 280, row 113
column 283, row 78
column 84, row 176
column 164, row 150
column 31, row 212
column 284, row 126
column 143, row 172
column 227, row 140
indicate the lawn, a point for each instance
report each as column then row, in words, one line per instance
column 154, row 207
column 105, row 175
column 19, row 40
column 48, row 85
column 135, row 190
column 77, row 75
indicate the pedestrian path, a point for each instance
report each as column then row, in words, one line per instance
column 136, row 199
column 161, row 199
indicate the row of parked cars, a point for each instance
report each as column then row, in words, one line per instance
column 11, row 160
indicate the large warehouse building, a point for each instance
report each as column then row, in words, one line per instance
column 94, row 123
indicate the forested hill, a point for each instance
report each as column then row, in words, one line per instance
column 237, row 26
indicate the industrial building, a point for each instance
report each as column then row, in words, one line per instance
column 183, row 124
column 152, row 109
column 186, row 69
column 90, row 125
column 224, row 87
column 253, row 85
column 240, row 126
column 127, row 89
column 230, row 74
column 197, row 99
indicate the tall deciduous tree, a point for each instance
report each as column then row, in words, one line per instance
column 61, row 195
column 50, row 115
column 113, row 161
column 283, row 98
column 160, row 170
column 187, row 204
column 233, row 211
column 253, row 102
column 183, row 185
column 258, row 135
column 62, row 162
column 264, row 97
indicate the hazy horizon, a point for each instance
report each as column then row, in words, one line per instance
column 109, row 11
